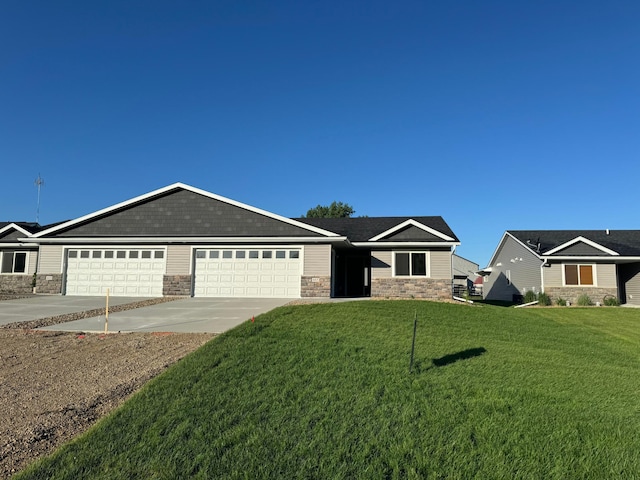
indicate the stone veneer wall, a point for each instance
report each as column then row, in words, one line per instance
column 315, row 286
column 176, row 285
column 16, row 284
column 49, row 283
column 411, row 287
column 571, row 294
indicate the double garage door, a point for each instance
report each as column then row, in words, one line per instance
column 247, row 272
column 219, row 272
column 124, row 272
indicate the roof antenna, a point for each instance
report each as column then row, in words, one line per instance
column 39, row 183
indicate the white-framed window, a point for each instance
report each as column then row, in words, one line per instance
column 14, row 262
column 410, row 264
column 579, row 275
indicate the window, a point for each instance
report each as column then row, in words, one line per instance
column 133, row 254
column 240, row 254
column 96, row 254
column 14, row 262
column 253, row 253
column 146, row 254
column 411, row 264
column 227, row 254
column 108, row 254
column 121, row 254
column 73, row 254
column 578, row 275
column 281, row 254
column 201, row 254
column 294, row 254
column 214, row 254
column 84, row 254
column 158, row 254
column 267, row 254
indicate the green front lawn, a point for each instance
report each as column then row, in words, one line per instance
column 324, row 391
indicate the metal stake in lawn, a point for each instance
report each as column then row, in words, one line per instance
column 106, row 314
column 413, row 342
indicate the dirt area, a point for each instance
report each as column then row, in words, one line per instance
column 54, row 385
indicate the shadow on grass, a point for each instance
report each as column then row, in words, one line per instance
column 454, row 357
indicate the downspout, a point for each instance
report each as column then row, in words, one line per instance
column 453, row 251
column 542, row 265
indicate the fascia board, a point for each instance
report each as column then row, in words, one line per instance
column 404, row 244
column 582, row 239
column 183, row 186
column 188, row 240
column 17, row 245
column 406, row 223
column 15, row 227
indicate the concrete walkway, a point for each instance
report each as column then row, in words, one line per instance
column 191, row 315
column 42, row 306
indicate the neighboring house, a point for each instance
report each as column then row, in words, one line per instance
column 180, row 240
column 18, row 259
column 464, row 274
column 565, row 264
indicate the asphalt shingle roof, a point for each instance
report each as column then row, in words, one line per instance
column 361, row 229
column 624, row 242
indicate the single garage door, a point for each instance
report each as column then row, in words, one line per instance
column 125, row 272
column 248, row 272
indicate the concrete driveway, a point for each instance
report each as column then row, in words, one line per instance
column 42, row 306
column 191, row 315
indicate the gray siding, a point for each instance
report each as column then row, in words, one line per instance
column 317, row 260
column 381, row 262
column 50, row 260
column 630, row 275
column 512, row 278
column 440, row 264
column 11, row 236
column 185, row 213
column 412, row 234
column 581, row 249
column 179, row 259
column 32, row 262
column 605, row 274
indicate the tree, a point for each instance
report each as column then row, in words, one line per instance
column 335, row 210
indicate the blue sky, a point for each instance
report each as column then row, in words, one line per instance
column 496, row 114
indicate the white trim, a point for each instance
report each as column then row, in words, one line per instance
column 598, row 259
column 16, row 227
column 594, row 274
column 582, row 239
column 427, row 258
column 414, row 223
column 381, row 245
column 18, row 245
column 183, row 186
column 187, row 240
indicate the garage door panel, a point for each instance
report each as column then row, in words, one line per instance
column 136, row 272
column 248, row 272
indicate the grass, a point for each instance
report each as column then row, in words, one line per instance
column 323, row 391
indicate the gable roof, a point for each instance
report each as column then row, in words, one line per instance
column 180, row 210
column 388, row 229
column 556, row 242
column 26, row 228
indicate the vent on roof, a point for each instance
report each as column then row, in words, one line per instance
column 607, row 231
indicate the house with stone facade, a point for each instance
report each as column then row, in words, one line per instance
column 181, row 240
column 565, row 264
column 18, row 260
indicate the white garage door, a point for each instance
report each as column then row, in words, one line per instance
column 125, row 272
column 248, row 272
